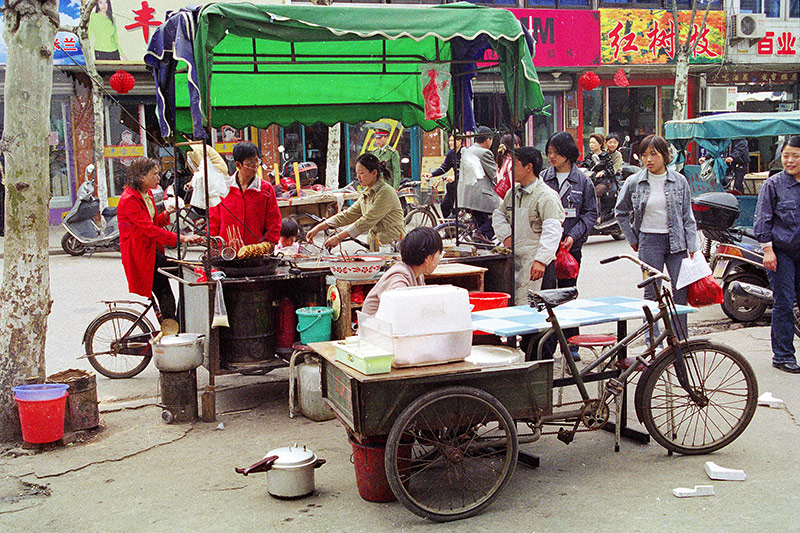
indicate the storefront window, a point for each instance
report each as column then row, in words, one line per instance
column 543, row 126
column 632, row 111
column 225, row 138
column 592, row 115
column 794, row 9
column 667, row 106
column 361, row 140
column 59, row 160
column 772, row 8
column 750, row 6
column 125, row 141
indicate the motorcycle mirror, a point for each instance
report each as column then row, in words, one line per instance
column 89, row 169
column 627, row 139
column 405, row 160
column 281, row 148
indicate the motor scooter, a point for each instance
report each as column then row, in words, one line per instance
column 83, row 233
column 307, row 171
column 763, row 294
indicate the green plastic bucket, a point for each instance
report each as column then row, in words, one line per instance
column 314, row 324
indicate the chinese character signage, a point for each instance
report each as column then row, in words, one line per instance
column 780, row 44
column 753, row 78
column 643, row 36
column 119, row 29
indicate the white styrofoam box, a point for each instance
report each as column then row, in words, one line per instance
column 415, row 350
column 426, row 310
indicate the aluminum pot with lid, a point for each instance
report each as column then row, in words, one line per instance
column 290, row 471
column 178, row 353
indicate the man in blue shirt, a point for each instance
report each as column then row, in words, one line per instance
column 777, row 227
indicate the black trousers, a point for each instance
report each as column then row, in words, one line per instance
column 483, row 221
column 449, row 200
column 162, row 290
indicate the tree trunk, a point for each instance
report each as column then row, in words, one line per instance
column 30, row 29
column 98, row 108
column 681, row 87
column 332, row 163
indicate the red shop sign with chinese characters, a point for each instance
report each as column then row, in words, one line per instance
column 643, row 36
column 564, row 38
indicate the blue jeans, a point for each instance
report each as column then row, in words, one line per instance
column 654, row 250
column 785, row 283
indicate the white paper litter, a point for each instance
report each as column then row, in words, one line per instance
column 768, row 400
column 714, row 471
column 698, row 490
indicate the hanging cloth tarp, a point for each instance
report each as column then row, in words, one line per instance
column 282, row 64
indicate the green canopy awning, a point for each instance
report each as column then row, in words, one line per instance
column 259, row 65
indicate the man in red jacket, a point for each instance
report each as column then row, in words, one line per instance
column 142, row 236
column 251, row 207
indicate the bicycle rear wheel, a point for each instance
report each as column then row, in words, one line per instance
column 450, row 452
column 110, row 354
column 721, row 375
column 419, row 217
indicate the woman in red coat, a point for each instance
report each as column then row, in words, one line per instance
column 142, row 236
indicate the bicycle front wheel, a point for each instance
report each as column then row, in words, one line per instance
column 721, row 376
column 419, row 217
column 113, row 353
column 450, row 452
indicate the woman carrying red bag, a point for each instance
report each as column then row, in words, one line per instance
column 654, row 210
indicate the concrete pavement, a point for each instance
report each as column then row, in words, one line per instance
column 54, row 241
column 137, row 473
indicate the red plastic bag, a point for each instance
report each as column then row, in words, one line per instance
column 705, row 291
column 502, row 187
column 566, row 265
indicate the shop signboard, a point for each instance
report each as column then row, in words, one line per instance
column 781, row 44
column 564, row 38
column 120, row 32
column 646, row 36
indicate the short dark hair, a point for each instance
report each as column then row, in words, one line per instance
column 483, row 133
column 137, row 170
column 419, row 244
column 564, row 145
column 612, row 136
column 528, row 155
column 658, row 143
column 371, row 162
column 289, row 228
column 244, row 151
column 793, row 141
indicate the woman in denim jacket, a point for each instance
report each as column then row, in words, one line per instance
column 654, row 211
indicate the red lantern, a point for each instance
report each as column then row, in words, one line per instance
column 621, row 79
column 589, row 81
column 122, row 81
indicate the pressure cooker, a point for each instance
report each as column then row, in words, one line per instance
column 290, row 471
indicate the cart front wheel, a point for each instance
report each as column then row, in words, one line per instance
column 720, row 375
column 450, row 452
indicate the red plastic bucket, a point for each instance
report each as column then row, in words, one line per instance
column 371, row 471
column 483, row 301
column 43, row 420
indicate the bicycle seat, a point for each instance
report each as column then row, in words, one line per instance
column 551, row 297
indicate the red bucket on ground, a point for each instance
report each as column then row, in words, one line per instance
column 42, row 420
column 371, row 471
column 483, row 301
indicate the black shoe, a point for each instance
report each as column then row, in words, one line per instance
column 792, row 368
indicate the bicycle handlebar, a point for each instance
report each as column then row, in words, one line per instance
column 652, row 273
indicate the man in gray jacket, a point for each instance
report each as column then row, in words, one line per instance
column 477, row 178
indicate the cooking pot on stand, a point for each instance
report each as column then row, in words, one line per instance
column 178, row 353
column 290, row 471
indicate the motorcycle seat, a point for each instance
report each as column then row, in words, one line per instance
column 748, row 232
column 109, row 212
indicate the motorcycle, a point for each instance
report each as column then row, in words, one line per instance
column 83, row 233
column 307, row 171
column 736, row 256
column 763, row 294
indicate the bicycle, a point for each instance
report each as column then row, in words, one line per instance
column 694, row 396
column 426, row 213
column 117, row 342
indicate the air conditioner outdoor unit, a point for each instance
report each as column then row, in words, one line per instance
column 747, row 26
column 720, row 99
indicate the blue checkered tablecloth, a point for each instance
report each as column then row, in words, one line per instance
column 522, row 319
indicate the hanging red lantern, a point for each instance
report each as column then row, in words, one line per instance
column 122, row 81
column 621, row 79
column 589, row 81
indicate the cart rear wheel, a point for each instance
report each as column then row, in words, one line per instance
column 721, row 375
column 450, row 452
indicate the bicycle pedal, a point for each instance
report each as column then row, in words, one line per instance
column 615, row 386
column 565, row 436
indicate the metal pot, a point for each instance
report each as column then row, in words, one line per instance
column 290, row 471
column 178, row 353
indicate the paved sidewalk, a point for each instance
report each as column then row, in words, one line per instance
column 138, row 474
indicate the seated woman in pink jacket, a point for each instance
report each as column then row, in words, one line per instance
column 420, row 252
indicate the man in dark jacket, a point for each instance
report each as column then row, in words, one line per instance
column 738, row 161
